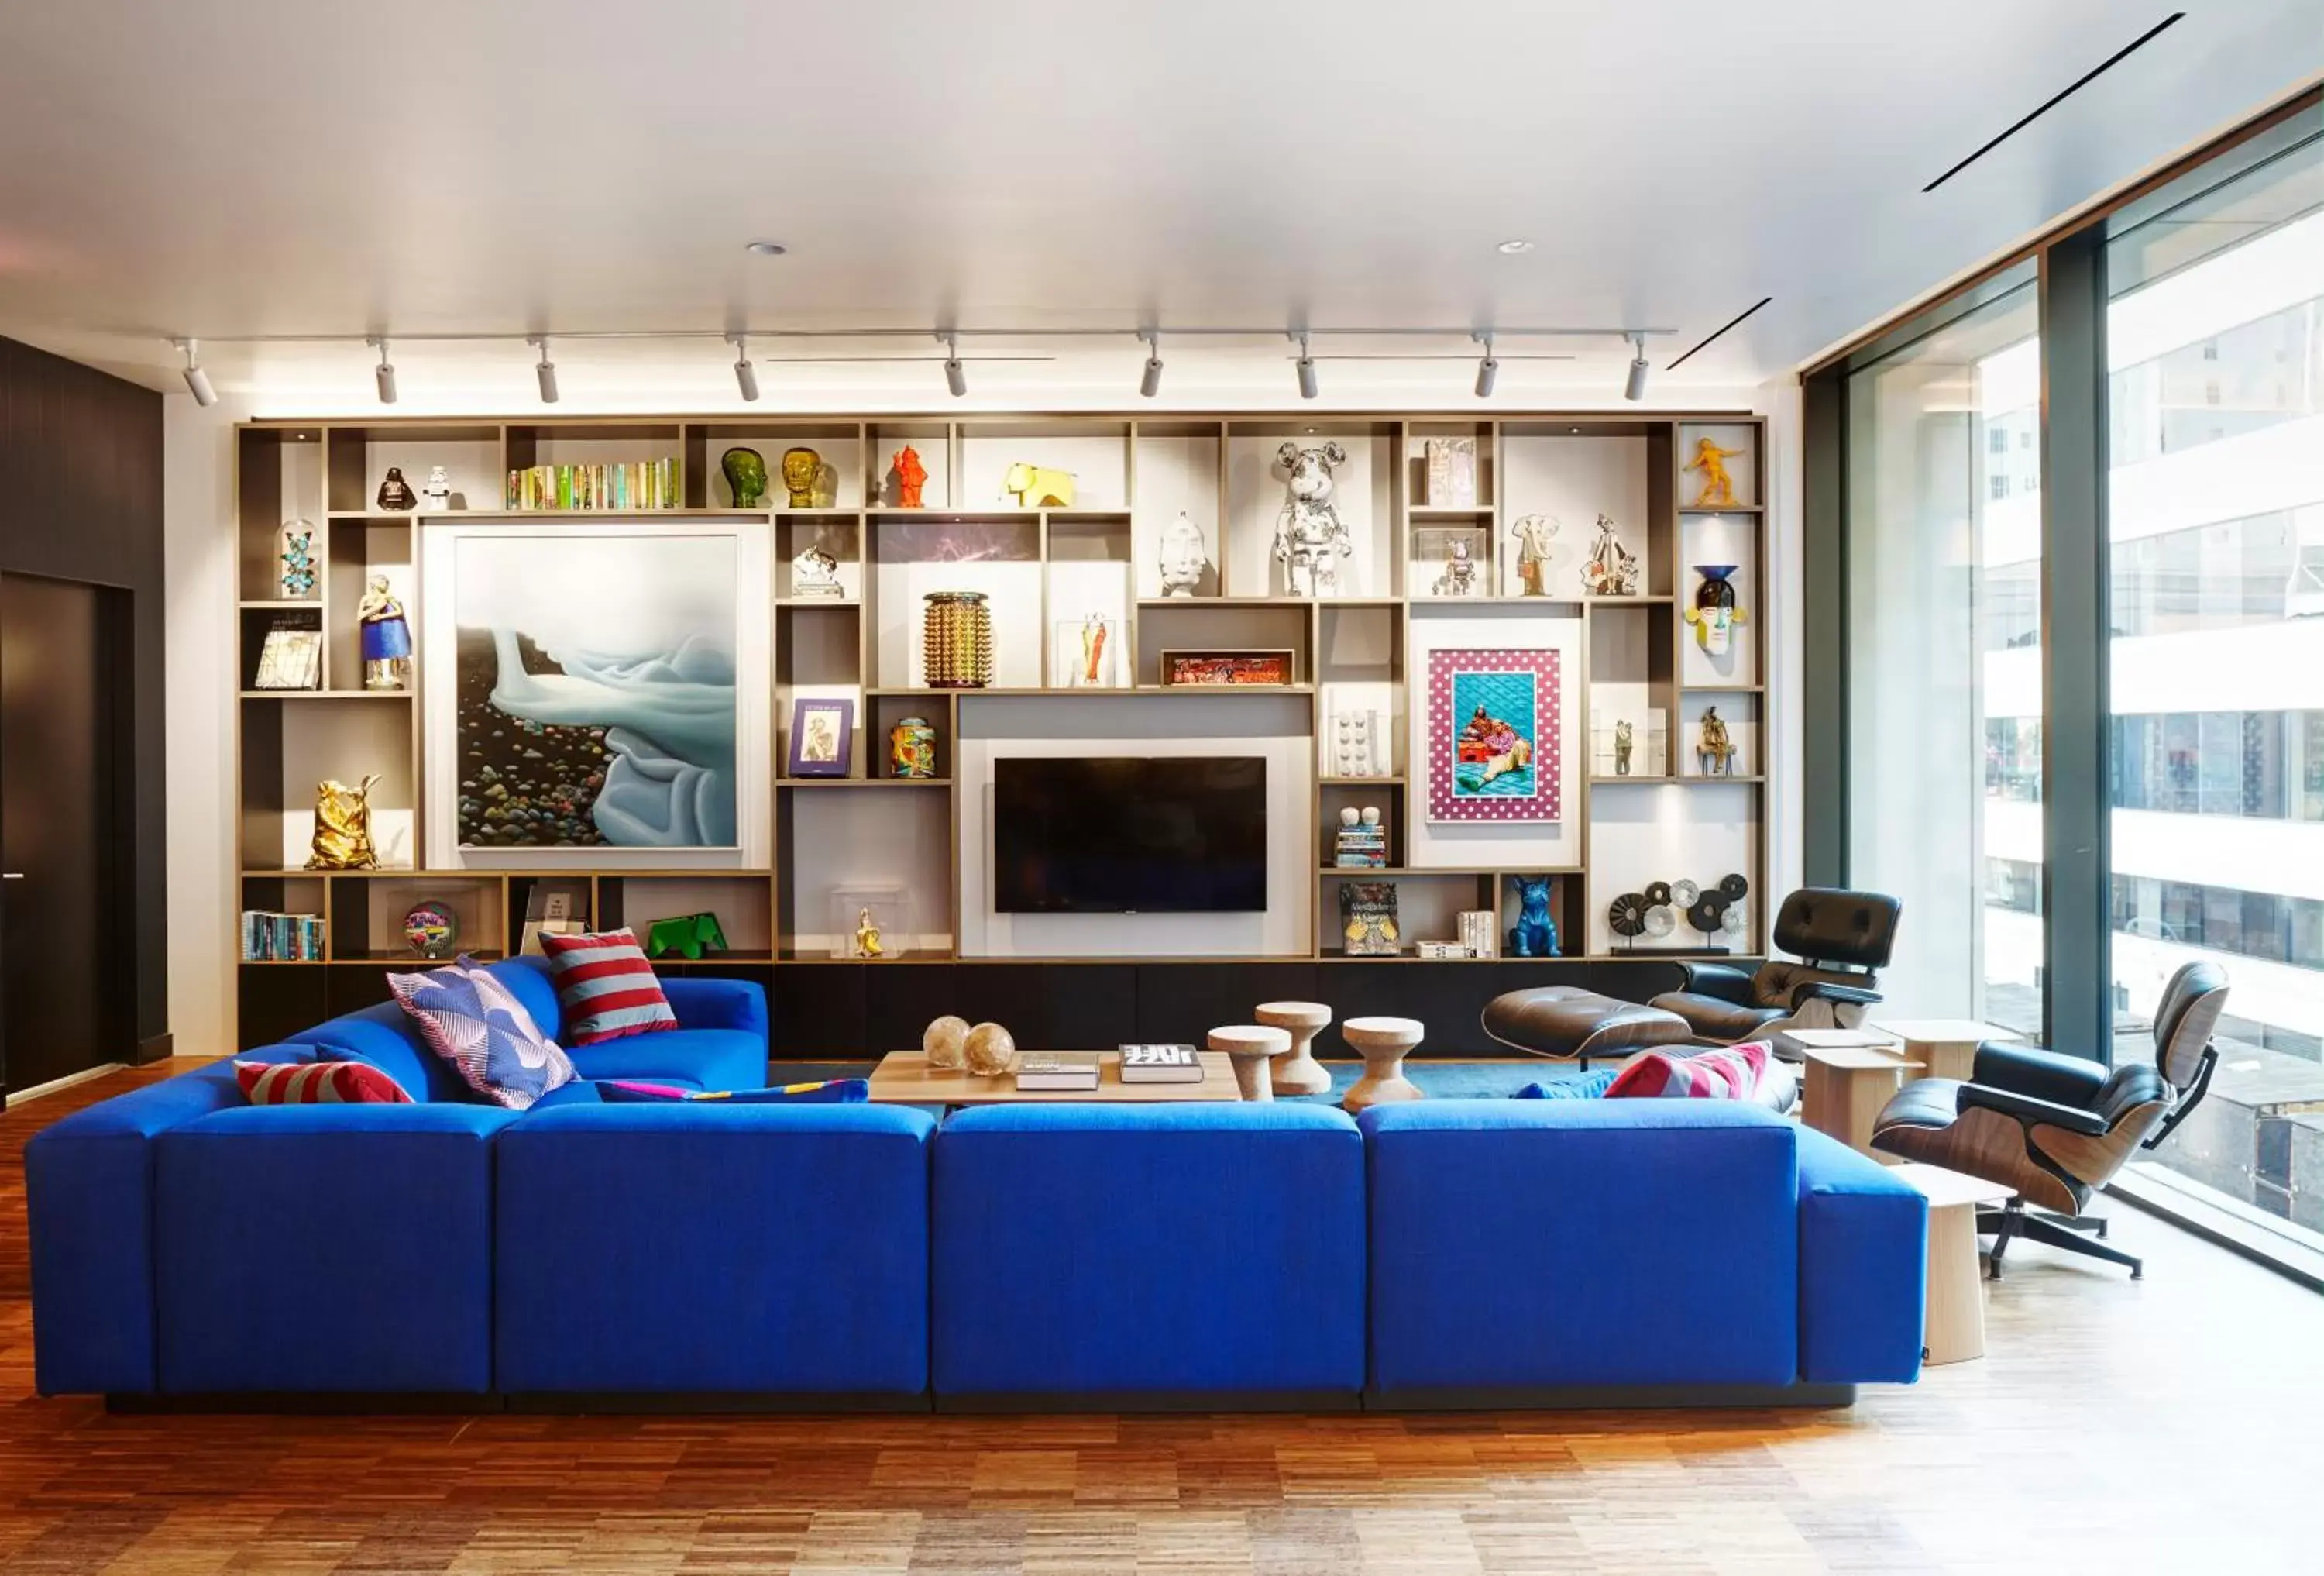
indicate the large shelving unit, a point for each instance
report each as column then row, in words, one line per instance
column 1042, row 569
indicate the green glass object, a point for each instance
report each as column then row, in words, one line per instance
column 687, row 935
column 746, row 474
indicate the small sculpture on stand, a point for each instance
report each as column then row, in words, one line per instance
column 395, row 492
column 1534, row 935
column 343, row 826
column 1623, row 738
column 386, row 637
column 1714, row 614
column 1717, row 487
column 746, row 477
column 297, row 566
column 1714, row 751
column 1183, row 558
column 802, row 467
column 1459, row 577
column 1612, row 569
column 1310, row 537
column 868, row 943
column 816, row 573
column 437, row 495
column 910, row 476
column 1533, row 532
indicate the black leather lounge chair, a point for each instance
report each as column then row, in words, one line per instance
column 1841, row 939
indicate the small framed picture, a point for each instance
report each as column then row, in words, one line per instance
column 1089, row 650
column 823, row 737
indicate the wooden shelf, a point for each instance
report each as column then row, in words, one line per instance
column 327, row 693
column 1360, row 782
column 288, row 604
column 530, row 514
column 862, row 782
column 1726, row 508
column 1722, row 689
column 1426, row 511
column 1690, row 780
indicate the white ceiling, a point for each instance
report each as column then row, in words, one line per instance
column 317, row 167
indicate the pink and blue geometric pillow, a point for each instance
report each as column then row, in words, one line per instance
column 472, row 1020
column 825, row 1092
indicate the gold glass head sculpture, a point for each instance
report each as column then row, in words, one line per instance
column 801, row 467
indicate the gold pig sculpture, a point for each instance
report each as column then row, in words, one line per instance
column 343, row 826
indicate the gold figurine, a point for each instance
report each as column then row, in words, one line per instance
column 802, row 468
column 867, row 936
column 1718, row 486
column 343, row 826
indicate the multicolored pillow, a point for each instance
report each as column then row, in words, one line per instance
column 605, row 987
column 475, row 1023
column 318, row 1083
column 1725, row 1072
column 829, row 1091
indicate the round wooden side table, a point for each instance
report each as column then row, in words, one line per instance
column 1252, row 1047
column 1299, row 1073
column 1384, row 1042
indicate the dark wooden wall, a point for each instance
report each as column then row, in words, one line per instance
column 81, row 498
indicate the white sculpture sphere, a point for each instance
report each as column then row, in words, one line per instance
column 990, row 1050
column 945, row 1042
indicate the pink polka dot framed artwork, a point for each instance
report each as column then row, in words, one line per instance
column 1493, row 736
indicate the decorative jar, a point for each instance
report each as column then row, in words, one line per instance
column 956, row 639
column 912, row 748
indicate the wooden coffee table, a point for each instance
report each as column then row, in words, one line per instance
column 905, row 1078
column 1851, row 1076
column 1945, row 1046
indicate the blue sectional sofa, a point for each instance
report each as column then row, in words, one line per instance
column 189, row 1250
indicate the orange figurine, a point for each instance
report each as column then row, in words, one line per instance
column 910, row 476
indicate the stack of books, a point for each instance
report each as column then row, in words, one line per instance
column 291, row 657
column 1359, row 847
column 281, row 938
column 1160, row 1065
column 1071, row 1072
column 1479, row 930
column 635, row 485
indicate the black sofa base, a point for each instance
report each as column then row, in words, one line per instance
column 1522, row 1398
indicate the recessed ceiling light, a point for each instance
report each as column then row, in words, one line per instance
column 1513, row 248
column 765, row 248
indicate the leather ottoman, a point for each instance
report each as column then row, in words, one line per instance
column 1571, row 1024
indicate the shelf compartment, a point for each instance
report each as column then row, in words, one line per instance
column 931, row 440
column 470, row 454
column 366, row 922
column 819, row 656
column 255, row 622
column 279, row 473
column 1094, row 453
column 293, row 741
column 1367, row 491
column 913, row 554
column 831, row 840
column 1428, row 902
column 742, row 904
column 840, row 445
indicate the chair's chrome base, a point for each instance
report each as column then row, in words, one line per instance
column 2074, row 1233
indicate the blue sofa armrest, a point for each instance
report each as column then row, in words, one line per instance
column 304, row 1249
column 677, row 1248
column 700, row 1003
column 1628, row 1242
column 88, row 1180
column 1863, row 1255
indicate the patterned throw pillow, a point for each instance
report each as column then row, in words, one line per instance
column 828, row 1091
column 1728, row 1073
column 318, row 1083
column 605, row 987
column 473, row 1021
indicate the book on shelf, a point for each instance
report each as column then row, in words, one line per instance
column 291, row 657
column 1068, row 1071
column 281, row 938
column 1160, row 1065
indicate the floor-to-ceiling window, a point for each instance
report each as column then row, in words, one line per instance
column 1943, row 647
column 2215, row 331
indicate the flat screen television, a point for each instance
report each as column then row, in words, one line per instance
column 1130, row 834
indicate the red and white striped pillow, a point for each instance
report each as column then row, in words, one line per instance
column 318, row 1083
column 1728, row 1073
column 605, row 987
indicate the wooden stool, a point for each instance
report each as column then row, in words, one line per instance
column 1384, row 1042
column 1954, row 1324
column 1300, row 1073
column 1252, row 1047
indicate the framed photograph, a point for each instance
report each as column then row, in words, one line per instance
column 823, row 736
column 1088, row 653
column 593, row 702
column 1228, row 668
column 1493, row 732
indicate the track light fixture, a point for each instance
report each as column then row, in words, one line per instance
column 956, row 374
column 746, row 376
column 1636, row 388
column 1150, row 383
column 197, row 380
column 1306, row 367
column 1487, row 369
column 546, row 373
column 385, row 373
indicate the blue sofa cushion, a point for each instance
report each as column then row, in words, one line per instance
column 376, row 1278
column 705, row 1058
column 686, row 1248
column 1158, row 1248
column 535, row 988
column 1582, row 1242
column 385, row 1036
column 1864, row 1256
column 89, row 1182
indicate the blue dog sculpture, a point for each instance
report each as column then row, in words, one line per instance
column 1534, row 935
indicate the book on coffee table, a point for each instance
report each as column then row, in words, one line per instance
column 1071, row 1071
column 1160, row 1065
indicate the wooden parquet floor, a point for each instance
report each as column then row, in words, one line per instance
column 2175, row 1424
